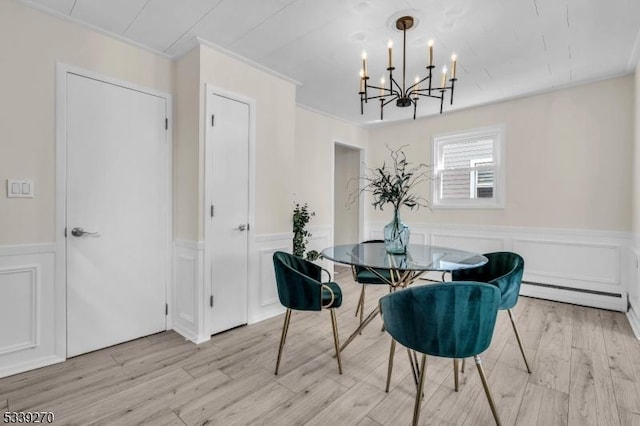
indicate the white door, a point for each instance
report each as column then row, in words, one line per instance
column 228, row 191
column 116, row 187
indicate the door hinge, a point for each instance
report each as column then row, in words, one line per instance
column 213, row 120
column 166, row 124
column 211, row 210
column 65, row 232
column 211, row 300
column 166, row 309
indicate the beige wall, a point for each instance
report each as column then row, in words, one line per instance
column 316, row 135
column 275, row 124
column 186, row 143
column 568, row 157
column 30, row 44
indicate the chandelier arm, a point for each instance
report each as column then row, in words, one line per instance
column 380, row 88
column 390, row 100
column 429, row 96
column 411, row 91
column 394, row 94
column 400, row 91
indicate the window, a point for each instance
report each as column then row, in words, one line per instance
column 469, row 169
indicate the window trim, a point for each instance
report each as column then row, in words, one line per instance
column 497, row 133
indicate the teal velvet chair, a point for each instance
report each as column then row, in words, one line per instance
column 504, row 270
column 450, row 320
column 300, row 288
column 367, row 277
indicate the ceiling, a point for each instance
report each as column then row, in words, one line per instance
column 505, row 48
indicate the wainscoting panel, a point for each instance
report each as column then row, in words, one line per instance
column 263, row 293
column 268, row 292
column 566, row 262
column 591, row 268
column 20, row 285
column 470, row 242
column 188, row 291
column 27, row 318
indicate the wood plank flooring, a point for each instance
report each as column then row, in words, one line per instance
column 586, row 371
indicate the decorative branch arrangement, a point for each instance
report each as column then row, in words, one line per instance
column 393, row 183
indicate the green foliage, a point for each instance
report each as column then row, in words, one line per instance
column 301, row 217
column 313, row 255
column 392, row 184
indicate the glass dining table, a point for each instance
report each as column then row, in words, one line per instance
column 404, row 269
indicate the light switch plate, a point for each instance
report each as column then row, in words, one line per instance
column 20, row 188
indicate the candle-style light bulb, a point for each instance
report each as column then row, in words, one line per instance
column 430, row 44
column 364, row 62
column 454, row 59
column 390, row 48
column 417, row 86
column 444, row 77
column 361, row 81
column 382, row 86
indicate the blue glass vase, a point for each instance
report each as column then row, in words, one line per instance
column 396, row 235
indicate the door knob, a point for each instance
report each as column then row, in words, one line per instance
column 79, row 232
column 242, row 227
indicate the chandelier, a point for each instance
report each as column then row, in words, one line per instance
column 403, row 95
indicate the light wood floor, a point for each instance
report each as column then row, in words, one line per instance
column 586, row 371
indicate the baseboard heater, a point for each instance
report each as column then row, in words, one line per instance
column 578, row 290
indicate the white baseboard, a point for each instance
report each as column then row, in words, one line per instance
column 31, row 364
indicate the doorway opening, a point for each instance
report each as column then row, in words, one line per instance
column 348, row 216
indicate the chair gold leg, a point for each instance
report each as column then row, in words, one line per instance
column 423, row 373
column 463, row 362
column 283, row 337
column 390, row 368
column 360, row 301
column 336, row 340
column 362, row 304
column 414, row 367
column 515, row 329
column 485, row 385
column 455, row 374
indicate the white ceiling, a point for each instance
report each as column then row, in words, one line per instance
column 505, row 48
